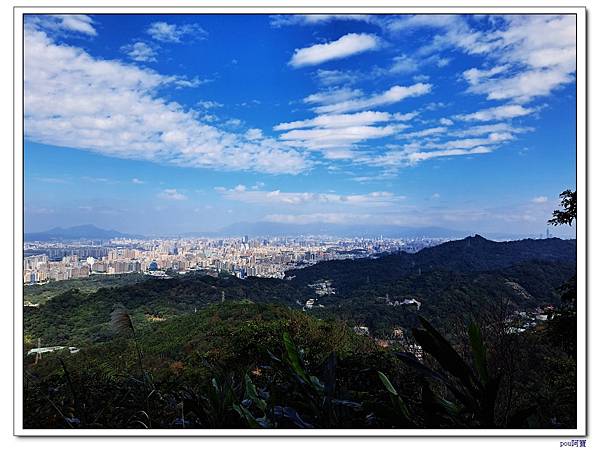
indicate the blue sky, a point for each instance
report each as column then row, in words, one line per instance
column 178, row 123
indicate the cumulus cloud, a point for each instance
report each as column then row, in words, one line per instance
column 348, row 45
column 75, row 100
column 139, row 51
column 530, row 55
column 73, row 23
column 172, row 33
column 543, row 47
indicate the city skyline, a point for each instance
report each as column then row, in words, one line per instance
column 149, row 124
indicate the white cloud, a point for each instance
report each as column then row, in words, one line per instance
column 404, row 64
column 424, row 133
column 172, row 194
column 497, row 113
column 333, row 218
column 491, row 139
column 166, row 32
column 446, row 122
column 75, row 100
column 254, row 134
column 139, row 51
column 492, row 128
column 344, row 120
column 409, row 23
column 372, row 199
column 332, row 96
column 393, row 95
column 348, row 45
column 335, row 134
column 523, row 86
column 475, row 76
column 336, row 77
column 281, row 20
column 530, row 55
column 537, row 53
column 137, row 181
column 209, row 104
column 397, row 159
column 323, row 138
column 540, row 199
column 76, row 23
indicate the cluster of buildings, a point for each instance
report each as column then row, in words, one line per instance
column 269, row 258
column 398, row 339
column 521, row 321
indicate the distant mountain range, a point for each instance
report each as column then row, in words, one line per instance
column 275, row 229
column 78, row 232
column 341, row 230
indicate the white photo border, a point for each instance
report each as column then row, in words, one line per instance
column 226, row 7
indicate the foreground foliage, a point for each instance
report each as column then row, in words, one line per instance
column 240, row 365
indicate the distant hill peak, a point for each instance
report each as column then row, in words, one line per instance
column 86, row 231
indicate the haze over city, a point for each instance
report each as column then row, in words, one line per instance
column 174, row 124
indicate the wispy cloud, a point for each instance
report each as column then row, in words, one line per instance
column 243, row 194
column 335, row 77
column 281, row 20
column 172, row 194
column 172, row 33
column 393, row 95
column 331, row 218
column 497, row 113
column 348, row 45
column 344, row 120
column 52, row 180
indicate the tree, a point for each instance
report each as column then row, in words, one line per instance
column 568, row 214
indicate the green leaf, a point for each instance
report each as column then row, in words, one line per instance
column 294, row 357
column 245, row 414
column 387, row 383
column 253, row 395
column 479, row 354
column 438, row 347
column 396, row 399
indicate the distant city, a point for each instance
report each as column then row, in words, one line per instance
column 242, row 257
column 268, row 257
